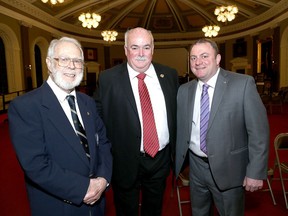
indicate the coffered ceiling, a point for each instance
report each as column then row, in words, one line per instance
column 168, row 19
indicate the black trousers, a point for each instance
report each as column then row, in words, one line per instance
column 145, row 197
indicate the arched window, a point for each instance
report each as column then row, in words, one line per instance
column 3, row 69
column 38, row 64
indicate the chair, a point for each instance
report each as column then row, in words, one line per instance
column 266, row 101
column 283, row 92
column 272, row 101
column 281, row 145
column 182, row 183
column 277, row 101
column 270, row 175
column 267, row 87
column 180, row 197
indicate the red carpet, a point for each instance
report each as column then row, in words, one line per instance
column 14, row 200
column 12, row 191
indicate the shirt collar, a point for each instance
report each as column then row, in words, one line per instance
column 150, row 72
column 60, row 94
column 211, row 82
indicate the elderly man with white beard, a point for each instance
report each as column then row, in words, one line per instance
column 60, row 140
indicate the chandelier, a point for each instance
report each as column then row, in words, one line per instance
column 211, row 31
column 53, row 2
column 225, row 14
column 90, row 20
column 109, row 35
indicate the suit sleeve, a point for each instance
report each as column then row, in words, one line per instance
column 104, row 168
column 41, row 170
column 258, row 132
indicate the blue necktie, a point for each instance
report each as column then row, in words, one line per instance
column 78, row 127
column 204, row 117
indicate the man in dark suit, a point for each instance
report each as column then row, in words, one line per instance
column 134, row 170
column 62, row 177
column 234, row 153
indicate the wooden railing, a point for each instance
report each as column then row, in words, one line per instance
column 5, row 99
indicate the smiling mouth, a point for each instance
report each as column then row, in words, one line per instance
column 70, row 75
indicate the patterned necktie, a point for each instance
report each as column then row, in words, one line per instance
column 204, row 117
column 78, row 127
column 150, row 137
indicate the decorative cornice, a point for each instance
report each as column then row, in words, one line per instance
column 25, row 24
column 38, row 18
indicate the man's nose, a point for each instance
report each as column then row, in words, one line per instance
column 71, row 64
column 141, row 52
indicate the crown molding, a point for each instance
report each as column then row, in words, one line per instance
column 32, row 16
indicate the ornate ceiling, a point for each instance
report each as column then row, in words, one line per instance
column 169, row 20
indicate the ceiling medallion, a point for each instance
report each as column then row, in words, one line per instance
column 109, row 35
column 53, row 2
column 211, row 31
column 90, row 20
column 226, row 13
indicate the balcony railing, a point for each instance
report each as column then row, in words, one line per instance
column 5, row 99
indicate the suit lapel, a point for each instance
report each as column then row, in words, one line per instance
column 191, row 101
column 60, row 121
column 125, row 83
column 163, row 77
column 219, row 91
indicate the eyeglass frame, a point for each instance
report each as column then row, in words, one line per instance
column 69, row 60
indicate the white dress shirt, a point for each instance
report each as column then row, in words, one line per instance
column 158, row 104
column 195, row 134
column 61, row 96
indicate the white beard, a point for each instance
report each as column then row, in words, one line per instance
column 63, row 84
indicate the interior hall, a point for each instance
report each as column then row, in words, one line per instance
column 253, row 40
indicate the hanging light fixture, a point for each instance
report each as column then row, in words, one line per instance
column 109, row 35
column 53, row 2
column 211, row 31
column 90, row 20
column 226, row 13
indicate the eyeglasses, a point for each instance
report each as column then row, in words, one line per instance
column 64, row 62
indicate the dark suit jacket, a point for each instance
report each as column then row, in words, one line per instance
column 117, row 105
column 238, row 130
column 55, row 165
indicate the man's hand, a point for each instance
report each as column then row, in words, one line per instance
column 252, row 184
column 95, row 190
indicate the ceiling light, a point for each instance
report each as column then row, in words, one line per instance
column 211, row 31
column 53, row 2
column 109, row 35
column 226, row 13
column 90, row 20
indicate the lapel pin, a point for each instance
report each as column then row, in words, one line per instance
column 88, row 113
column 162, row 75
